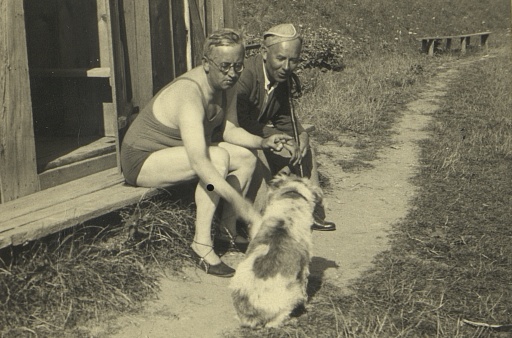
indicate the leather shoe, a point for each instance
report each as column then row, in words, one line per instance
column 219, row 270
column 323, row 226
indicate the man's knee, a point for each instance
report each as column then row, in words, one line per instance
column 220, row 159
column 247, row 157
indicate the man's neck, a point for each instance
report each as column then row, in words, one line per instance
column 268, row 82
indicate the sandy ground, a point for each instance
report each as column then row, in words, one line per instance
column 364, row 206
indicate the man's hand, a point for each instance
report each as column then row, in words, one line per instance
column 296, row 153
column 246, row 211
column 275, row 142
column 304, row 144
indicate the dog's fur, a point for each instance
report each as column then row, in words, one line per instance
column 272, row 279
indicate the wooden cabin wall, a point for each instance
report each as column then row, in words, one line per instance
column 134, row 27
column 17, row 149
column 155, row 35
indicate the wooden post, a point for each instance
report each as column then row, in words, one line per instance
column 161, row 44
column 463, row 45
column 431, row 47
column 18, row 170
column 230, row 15
column 448, row 44
column 483, row 42
column 424, row 46
column 197, row 35
column 106, row 60
column 178, row 36
column 188, row 34
column 214, row 15
column 136, row 20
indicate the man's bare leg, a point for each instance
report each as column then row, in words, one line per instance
column 242, row 163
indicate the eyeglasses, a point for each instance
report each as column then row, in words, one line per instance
column 224, row 67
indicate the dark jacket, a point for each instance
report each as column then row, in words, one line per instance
column 252, row 116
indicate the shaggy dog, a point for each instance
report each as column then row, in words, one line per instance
column 272, row 279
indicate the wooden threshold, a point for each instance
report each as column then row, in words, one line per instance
column 63, row 159
column 54, row 152
column 54, row 209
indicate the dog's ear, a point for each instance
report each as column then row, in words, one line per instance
column 278, row 180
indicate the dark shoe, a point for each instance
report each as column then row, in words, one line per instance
column 323, row 226
column 238, row 243
column 219, row 270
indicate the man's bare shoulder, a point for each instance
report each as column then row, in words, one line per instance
column 186, row 89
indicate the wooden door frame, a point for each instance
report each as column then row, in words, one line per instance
column 18, row 169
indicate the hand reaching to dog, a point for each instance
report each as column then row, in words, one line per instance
column 246, row 211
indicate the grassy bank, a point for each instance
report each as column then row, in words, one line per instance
column 450, row 258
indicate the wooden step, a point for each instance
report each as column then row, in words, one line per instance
column 54, row 209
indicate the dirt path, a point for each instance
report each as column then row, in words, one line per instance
column 364, row 205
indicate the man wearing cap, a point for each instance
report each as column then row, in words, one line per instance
column 264, row 109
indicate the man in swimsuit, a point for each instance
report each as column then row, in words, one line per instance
column 263, row 105
column 171, row 142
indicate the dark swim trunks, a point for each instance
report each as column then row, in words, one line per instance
column 147, row 135
column 131, row 161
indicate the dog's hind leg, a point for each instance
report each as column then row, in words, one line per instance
column 279, row 320
column 304, row 283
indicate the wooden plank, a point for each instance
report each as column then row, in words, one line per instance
column 59, row 194
column 103, row 17
column 76, row 211
column 18, row 175
column 59, row 151
column 73, row 171
column 119, row 80
column 161, row 50
column 72, row 72
column 214, row 15
column 252, row 46
column 201, row 6
column 196, row 32
column 186, row 17
column 135, row 19
column 179, row 37
column 230, row 14
column 107, row 60
column 452, row 36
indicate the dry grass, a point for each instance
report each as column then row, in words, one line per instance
column 451, row 256
column 363, row 99
column 52, row 286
